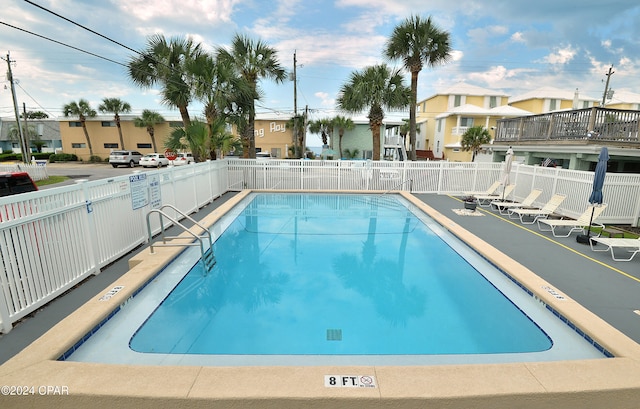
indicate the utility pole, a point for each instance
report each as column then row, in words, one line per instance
column 295, row 106
column 23, row 146
column 606, row 87
column 25, row 132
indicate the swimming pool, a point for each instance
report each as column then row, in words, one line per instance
column 316, row 279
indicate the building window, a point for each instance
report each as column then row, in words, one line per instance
column 457, row 100
column 14, row 145
column 367, row 154
column 78, row 145
column 108, row 124
column 466, row 122
column 552, row 104
column 493, row 102
column 439, row 125
column 175, row 124
column 111, row 145
column 144, row 146
column 75, row 124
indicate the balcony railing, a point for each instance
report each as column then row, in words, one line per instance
column 584, row 126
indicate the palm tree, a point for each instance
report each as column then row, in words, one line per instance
column 253, row 60
column 82, row 109
column 221, row 140
column 473, row 139
column 322, row 127
column 418, row 42
column 376, row 87
column 343, row 124
column 218, row 85
column 149, row 119
column 166, row 63
column 298, row 124
column 115, row 106
column 31, row 138
column 193, row 138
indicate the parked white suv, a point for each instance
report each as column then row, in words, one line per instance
column 128, row 158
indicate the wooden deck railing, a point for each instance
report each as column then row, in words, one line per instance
column 582, row 126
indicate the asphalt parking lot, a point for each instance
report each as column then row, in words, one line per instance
column 77, row 171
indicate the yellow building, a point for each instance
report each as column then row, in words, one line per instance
column 623, row 100
column 443, row 118
column 548, row 99
column 104, row 136
column 273, row 135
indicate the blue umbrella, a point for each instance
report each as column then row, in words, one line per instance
column 596, row 197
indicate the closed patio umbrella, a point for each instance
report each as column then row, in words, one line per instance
column 506, row 170
column 596, row 197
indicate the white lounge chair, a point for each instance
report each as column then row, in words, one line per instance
column 485, row 200
column 630, row 245
column 536, row 214
column 490, row 191
column 528, row 201
column 581, row 223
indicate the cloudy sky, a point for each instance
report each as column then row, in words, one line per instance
column 513, row 46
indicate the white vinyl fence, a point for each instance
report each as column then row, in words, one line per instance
column 37, row 171
column 52, row 239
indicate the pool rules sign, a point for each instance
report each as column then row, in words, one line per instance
column 349, row 381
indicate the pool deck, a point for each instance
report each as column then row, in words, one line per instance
column 608, row 289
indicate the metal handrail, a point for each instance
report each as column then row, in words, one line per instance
column 198, row 238
column 400, row 184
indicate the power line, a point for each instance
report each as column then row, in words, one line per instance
column 37, row 103
column 62, row 44
column 81, row 26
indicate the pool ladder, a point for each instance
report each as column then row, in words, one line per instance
column 207, row 256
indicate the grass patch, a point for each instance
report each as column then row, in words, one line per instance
column 51, row 180
column 627, row 234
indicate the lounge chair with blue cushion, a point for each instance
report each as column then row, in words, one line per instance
column 630, row 245
column 535, row 214
column 504, row 206
column 579, row 224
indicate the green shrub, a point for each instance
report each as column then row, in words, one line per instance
column 95, row 159
column 62, row 157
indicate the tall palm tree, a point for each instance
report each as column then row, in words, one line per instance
column 418, row 42
column 166, row 63
column 343, row 124
column 115, row 106
column 82, row 109
column 219, row 86
column 473, row 139
column 377, row 88
column 149, row 119
column 254, row 60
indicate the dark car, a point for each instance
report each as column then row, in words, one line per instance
column 12, row 183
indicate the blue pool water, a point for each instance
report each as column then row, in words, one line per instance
column 318, row 274
column 317, row 279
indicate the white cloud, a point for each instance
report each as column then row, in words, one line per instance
column 560, row 56
column 212, row 11
column 324, row 98
column 517, row 37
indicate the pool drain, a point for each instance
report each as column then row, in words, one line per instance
column 334, row 335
